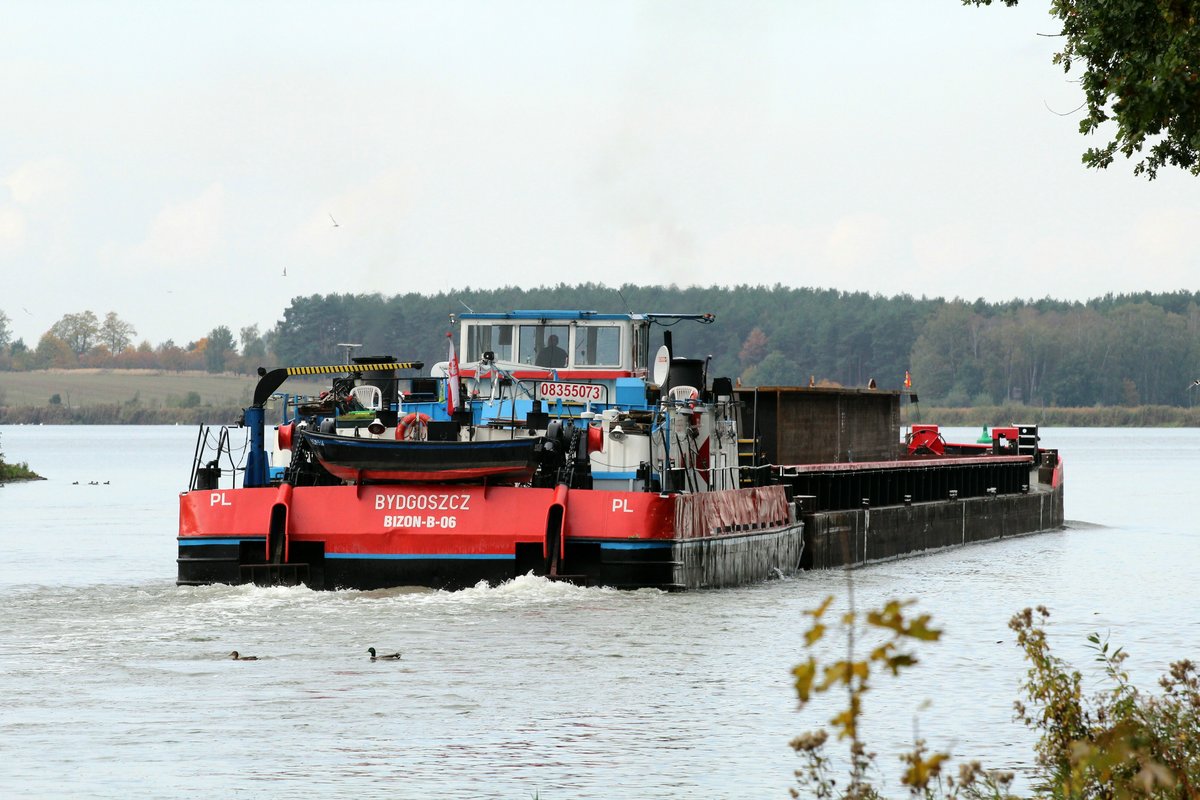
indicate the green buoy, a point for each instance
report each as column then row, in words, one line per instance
column 985, row 437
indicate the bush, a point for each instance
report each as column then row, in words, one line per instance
column 957, row 398
column 118, row 414
column 10, row 472
column 1120, row 744
column 189, row 400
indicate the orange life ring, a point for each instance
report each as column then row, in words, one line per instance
column 418, row 421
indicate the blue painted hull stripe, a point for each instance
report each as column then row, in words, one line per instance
column 613, row 476
column 424, row 556
column 417, row 556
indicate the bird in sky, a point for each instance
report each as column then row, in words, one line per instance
column 285, row 272
column 334, row 221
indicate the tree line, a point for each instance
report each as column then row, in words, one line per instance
column 81, row 339
column 1115, row 350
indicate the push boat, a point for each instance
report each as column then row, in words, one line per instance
column 600, row 462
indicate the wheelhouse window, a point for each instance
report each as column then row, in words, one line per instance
column 544, row 345
column 641, row 347
column 597, row 346
column 497, row 339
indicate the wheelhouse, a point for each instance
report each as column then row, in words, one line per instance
column 577, row 344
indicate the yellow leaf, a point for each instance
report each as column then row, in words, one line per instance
column 921, row 771
column 900, row 660
column 820, row 610
column 838, row 672
column 846, row 723
column 804, row 674
column 881, row 653
column 919, row 629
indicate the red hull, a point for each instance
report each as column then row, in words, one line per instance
column 474, row 520
column 451, row 536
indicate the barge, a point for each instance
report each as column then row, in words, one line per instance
column 558, row 443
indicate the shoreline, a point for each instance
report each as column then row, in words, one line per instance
column 118, row 414
column 17, row 473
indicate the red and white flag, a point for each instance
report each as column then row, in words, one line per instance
column 452, row 400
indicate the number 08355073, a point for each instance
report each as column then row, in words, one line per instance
column 569, row 391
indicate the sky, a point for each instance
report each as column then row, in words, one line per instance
column 170, row 162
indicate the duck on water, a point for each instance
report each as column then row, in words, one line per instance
column 385, row 657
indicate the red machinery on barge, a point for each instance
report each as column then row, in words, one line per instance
column 595, row 462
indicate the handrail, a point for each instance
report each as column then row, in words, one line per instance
column 271, row 380
column 200, row 438
column 223, row 447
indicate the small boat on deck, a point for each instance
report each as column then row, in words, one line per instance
column 378, row 460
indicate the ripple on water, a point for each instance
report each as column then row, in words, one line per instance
column 117, row 683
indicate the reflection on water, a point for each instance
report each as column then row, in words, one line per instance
column 119, row 683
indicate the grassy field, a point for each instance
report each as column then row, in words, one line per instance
column 152, row 388
column 159, row 394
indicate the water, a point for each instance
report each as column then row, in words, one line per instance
column 117, row 682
